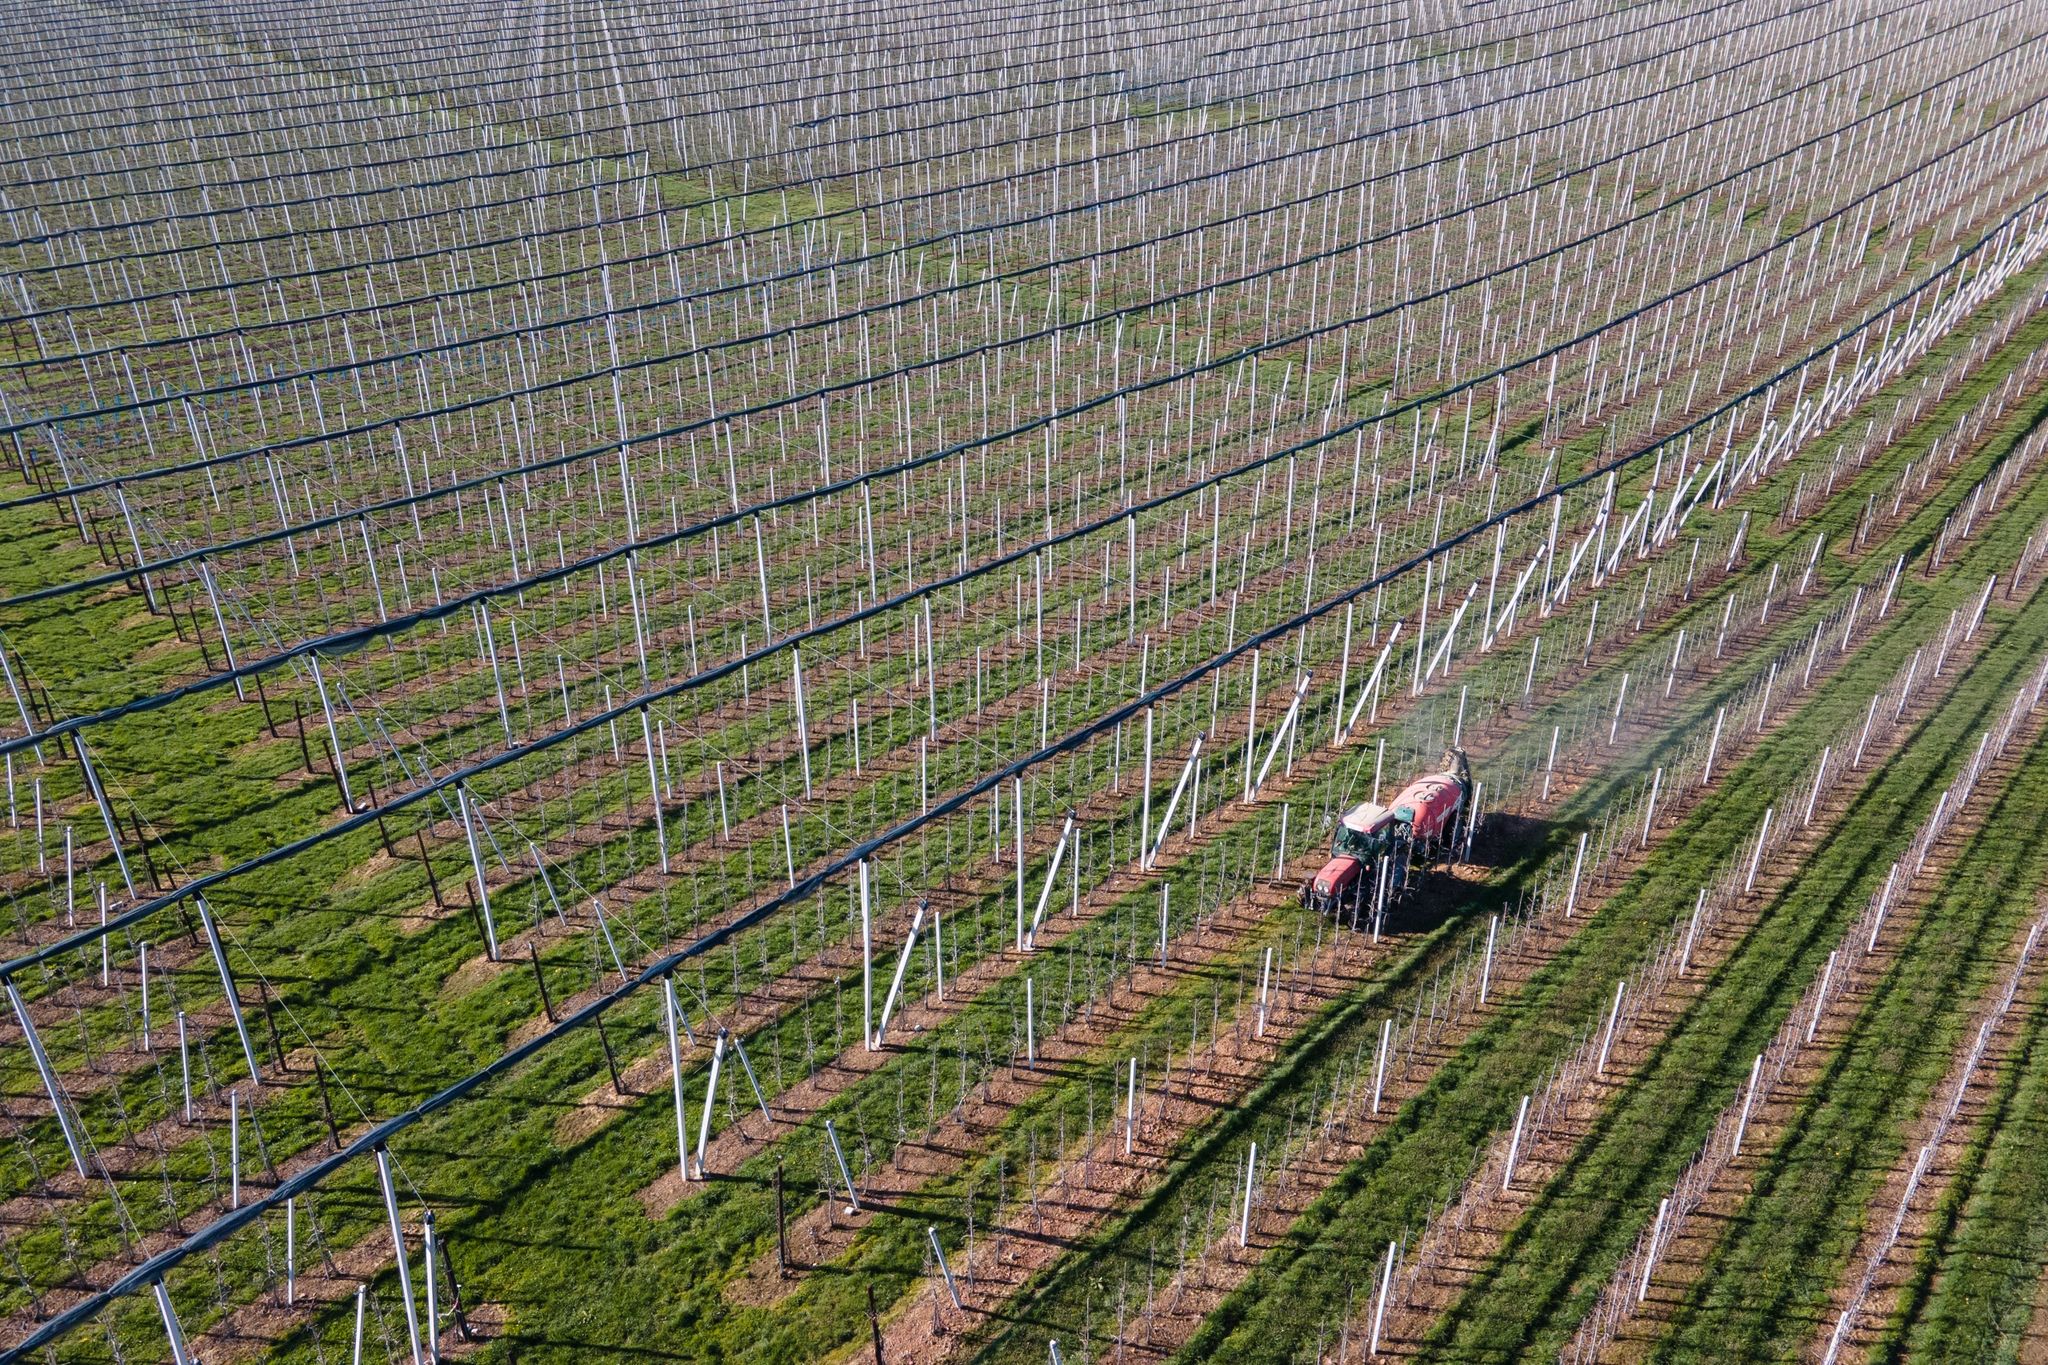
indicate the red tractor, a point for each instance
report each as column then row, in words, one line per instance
column 1420, row 826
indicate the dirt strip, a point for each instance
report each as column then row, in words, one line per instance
column 1682, row 1260
column 1917, row 1229
column 921, row 1331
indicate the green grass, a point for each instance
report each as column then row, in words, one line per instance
column 1974, row 1285
column 1560, row 1255
column 1268, row 1318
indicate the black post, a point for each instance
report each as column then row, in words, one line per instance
column 546, row 1003
column 875, row 1325
column 433, row 882
column 327, row 1105
column 299, row 720
column 377, row 805
column 611, row 1063
column 263, row 700
column 276, row 1043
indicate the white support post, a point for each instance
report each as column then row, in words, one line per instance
column 433, row 1328
column 1819, row 776
column 1756, row 858
column 1422, row 626
column 739, row 1050
column 1145, row 798
column 1650, row 1252
column 845, row 1175
column 1820, row 999
column 1692, row 933
column 1486, row 969
column 675, row 1068
column 761, row 568
column 180, row 1353
column 1613, row 1018
column 1343, row 676
column 1265, row 992
column 867, row 959
column 1280, row 735
column 896, row 982
column 1884, row 903
column 1443, row 649
column 1052, row 872
column 803, row 724
column 220, row 624
column 1756, row 1069
column 1379, row 1070
column 333, row 735
column 1251, row 1179
column 1370, row 692
column 49, row 1076
column 654, row 790
column 227, row 985
column 99, row 796
column 1472, row 819
column 945, row 1271
column 1713, row 745
column 1251, row 725
column 1507, row 1175
column 1017, row 839
column 788, row 849
column 185, row 1066
column 412, row 1317
column 1379, row 1312
column 476, row 862
column 710, row 1099
column 1173, row 803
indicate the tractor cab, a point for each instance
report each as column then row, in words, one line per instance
column 1364, row 832
column 1367, row 833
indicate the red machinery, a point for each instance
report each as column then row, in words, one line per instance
column 1373, row 841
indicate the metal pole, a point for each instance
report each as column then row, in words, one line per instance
column 1244, row 1220
column 1173, row 802
column 412, row 1317
column 845, row 1175
column 944, row 1270
column 50, row 1086
column 675, row 1066
column 902, row 966
column 227, row 984
column 867, row 959
column 179, row 1353
column 476, row 861
column 710, row 1098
